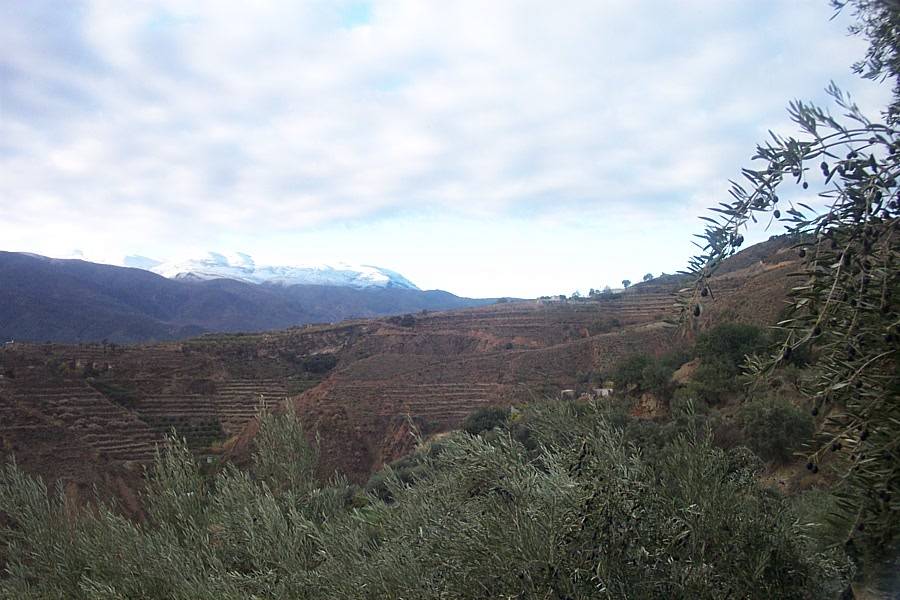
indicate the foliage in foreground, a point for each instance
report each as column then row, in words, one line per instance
column 577, row 512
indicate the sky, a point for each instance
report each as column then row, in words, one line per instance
column 502, row 148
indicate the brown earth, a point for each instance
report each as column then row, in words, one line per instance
column 92, row 414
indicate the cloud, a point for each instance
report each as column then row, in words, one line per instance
column 161, row 125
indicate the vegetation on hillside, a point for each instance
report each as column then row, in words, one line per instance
column 563, row 501
column 767, row 419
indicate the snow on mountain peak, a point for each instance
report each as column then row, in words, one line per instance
column 241, row 267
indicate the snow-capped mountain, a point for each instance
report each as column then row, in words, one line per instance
column 242, row 267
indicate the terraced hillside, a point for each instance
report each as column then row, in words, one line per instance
column 431, row 370
column 106, row 406
column 360, row 386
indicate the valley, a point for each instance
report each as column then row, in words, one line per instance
column 91, row 414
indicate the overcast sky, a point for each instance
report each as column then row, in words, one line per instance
column 487, row 148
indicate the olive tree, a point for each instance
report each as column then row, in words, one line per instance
column 846, row 303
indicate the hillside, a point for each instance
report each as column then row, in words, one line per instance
column 76, row 301
column 93, row 412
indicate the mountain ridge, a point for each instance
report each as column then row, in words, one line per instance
column 241, row 267
column 72, row 300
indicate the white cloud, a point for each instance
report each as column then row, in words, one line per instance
column 158, row 127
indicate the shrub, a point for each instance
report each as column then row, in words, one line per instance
column 320, row 363
column 722, row 351
column 730, row 343
column 656, row 378
column 714, row 381
column 675, row 358
column 646, row 373
column 283, row 456
column 485, row 419
column 403, row 321
column 773, row 427
column 398, row 474
column 630, row 371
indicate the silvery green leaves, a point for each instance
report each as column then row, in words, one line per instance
column 844, row 304
column 559, row 503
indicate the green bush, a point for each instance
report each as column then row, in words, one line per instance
column 485, row 419
column 722, row 351
column 402, row 472
column 730, row 343
column 630, row 371
column 774, row 427
column 657, row 378
column 403, row 320
column 320, row 363
column 645, row 373
column 714, row 381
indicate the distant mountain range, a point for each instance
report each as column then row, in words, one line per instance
column 241, row 267
column 77, row 301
